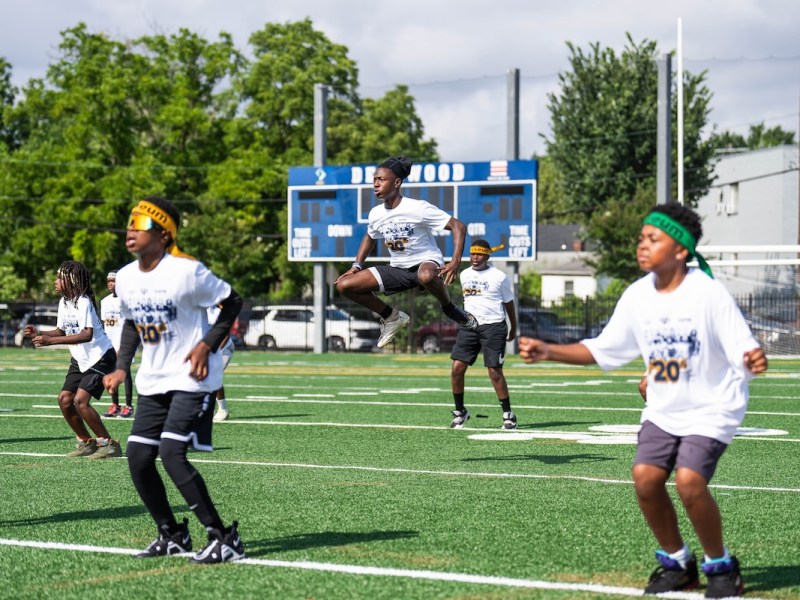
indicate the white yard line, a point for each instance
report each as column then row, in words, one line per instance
column 438, row 473
column 491, row 580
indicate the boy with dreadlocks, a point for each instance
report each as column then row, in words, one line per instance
column 93, row 357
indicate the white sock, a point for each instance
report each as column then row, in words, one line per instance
column 682, row 555
column 725, row 556
column 222, row 403
column 394, row 316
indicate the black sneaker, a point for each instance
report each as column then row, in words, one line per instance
column 470, row 323
column 166, row 545
column 223, row 546
column 724, row 578
column 671, row 577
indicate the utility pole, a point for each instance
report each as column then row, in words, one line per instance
column 664, row 131
column 320, row 155
column 512, row 153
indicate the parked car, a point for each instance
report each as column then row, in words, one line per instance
column 291, row 327
column 44, row 319
column 533, row 322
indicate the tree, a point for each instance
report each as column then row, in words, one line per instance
column 604, row 121
column 191, row 120
column 758, row 137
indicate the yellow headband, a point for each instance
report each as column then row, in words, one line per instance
column 164, row 221
column 159, row 216
column 482, row 250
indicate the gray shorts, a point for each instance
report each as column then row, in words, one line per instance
column 661, row 449
column 392, row 280
column 491, row 338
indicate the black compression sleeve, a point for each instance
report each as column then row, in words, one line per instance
column 129, row 342
column 229, row 310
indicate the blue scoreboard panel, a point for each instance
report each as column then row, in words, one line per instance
column 329, row 207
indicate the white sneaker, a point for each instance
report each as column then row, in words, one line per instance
column 460, row 417
column 389, row 329
column 221, row 415
column 509, row 420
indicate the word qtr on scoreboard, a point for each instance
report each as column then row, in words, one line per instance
column 329, row 207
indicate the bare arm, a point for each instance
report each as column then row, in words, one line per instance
column 57, row 336
column 450, row 270
column 532, row 350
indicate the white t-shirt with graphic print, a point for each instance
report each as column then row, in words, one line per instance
column 693, row 341
column 168, row 306
column 408, row 231
column 73, row 319
column 485, row 292
column 112, row 319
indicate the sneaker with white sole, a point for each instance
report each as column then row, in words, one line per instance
column 670, row 576
column 84, row 448
column 223, row 546
column 389, row 329
column 509, row 420
column 167, row 544
column 108, row 449
column 470, row 323
column 221, row 415
column 459, row 418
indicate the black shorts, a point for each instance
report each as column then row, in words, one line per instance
column 661, row 449
column 491, row 337
column 392, row 280
column 92, row 379
column 183, row 416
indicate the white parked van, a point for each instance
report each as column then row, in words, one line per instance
column 291, row 327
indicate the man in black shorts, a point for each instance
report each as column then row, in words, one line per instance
column 488, row 296
column 407, row 228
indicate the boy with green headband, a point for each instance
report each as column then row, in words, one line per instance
column 700, row 356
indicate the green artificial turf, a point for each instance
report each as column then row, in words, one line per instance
column 347, row 460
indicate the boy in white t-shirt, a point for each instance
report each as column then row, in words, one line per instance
column 112, row 322
column 489, row 297
column 700, row 356
column 227, row 353
column 93, row 357
column 164, row 298
column 407, row 228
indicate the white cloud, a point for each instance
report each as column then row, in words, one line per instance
column 454, row 54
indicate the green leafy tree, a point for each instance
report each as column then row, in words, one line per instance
column 758, row 137
column 191, row 120
column 616, row 229
column 604, row 121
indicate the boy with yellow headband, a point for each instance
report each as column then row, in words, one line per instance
column 489, row 297
column 700, row 356
column 164, row 296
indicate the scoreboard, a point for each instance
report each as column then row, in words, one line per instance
column 496, row 200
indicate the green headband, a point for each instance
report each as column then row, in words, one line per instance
column 680, row 234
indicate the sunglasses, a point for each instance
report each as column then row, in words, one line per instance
column 142, row 223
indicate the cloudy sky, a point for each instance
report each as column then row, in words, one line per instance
column 455, row 54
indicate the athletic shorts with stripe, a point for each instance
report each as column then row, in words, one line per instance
column 183, row 416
